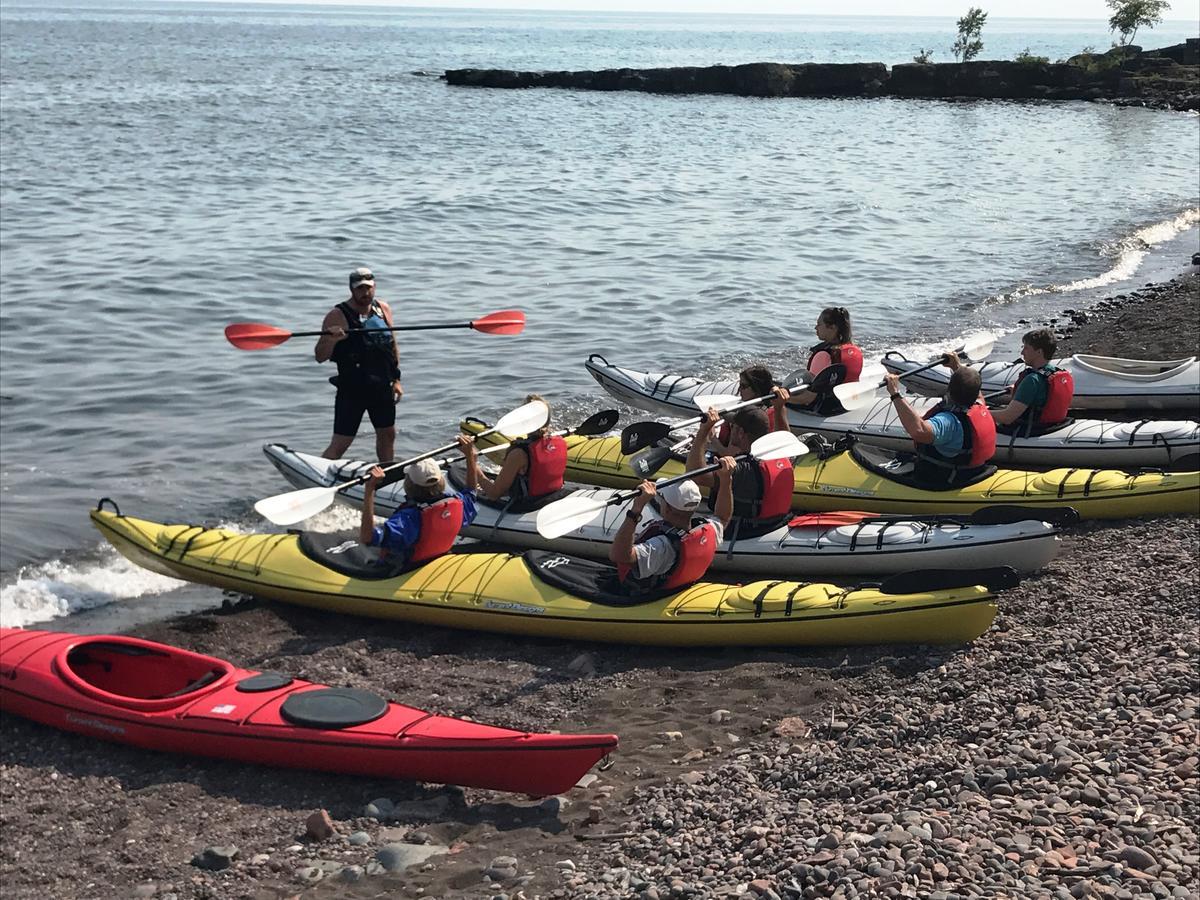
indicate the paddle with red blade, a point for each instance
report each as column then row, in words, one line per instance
column 257, row 336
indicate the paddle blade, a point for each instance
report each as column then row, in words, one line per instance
column 255, row 335
column 855, row 394
column 598, row 423
column 646, row 463
column 922, row 582
column 567, row 515
column 778, row 445
column 640, row 435
column 295, row 506
column 796, row 379
column 830, row 519
column 524, row 419
column 978, row 348
column 719, row 401
column 507, row 321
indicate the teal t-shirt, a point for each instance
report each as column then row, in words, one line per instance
column 947, row 434
column 1033, row 390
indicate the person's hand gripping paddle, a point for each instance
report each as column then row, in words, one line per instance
column 296, row 506
column 572, row 513
column 257, row 336
column 856, row 394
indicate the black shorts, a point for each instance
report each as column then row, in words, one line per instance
column 376, row 401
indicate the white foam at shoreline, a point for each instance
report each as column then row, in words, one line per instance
column 1129, row 252
column 56, row 588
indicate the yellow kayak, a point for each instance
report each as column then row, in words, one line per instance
column 524, row 594
column 853, row 479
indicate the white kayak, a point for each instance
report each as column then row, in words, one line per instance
column 1083, row 443
column 1101, row 382
column 815, row 545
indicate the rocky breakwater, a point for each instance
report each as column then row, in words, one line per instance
column 1168, row 77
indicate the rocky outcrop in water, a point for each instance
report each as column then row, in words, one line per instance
column 1168, row 77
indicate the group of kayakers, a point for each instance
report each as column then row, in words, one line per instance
column 952, row 442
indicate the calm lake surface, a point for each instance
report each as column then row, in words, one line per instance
column 167, row 169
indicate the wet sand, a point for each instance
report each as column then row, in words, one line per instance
column 1055, row 756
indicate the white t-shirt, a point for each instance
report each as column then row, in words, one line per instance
column 656, row 555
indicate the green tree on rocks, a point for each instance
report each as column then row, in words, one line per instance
column 1129, row 15
column 970, row 27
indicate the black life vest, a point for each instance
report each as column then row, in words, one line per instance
column 365, row 358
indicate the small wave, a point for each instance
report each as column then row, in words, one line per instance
column 59, row 588
column 1128, row 253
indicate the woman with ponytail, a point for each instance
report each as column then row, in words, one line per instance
column 835, row 360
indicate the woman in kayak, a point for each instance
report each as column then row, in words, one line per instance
column 427, row 524
column 762, row 491
column 1042, row 394
column 753, row 381
column 835, row 360
column 675, row 551
column 534, row 467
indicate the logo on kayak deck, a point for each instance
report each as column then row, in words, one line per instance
column 854, row 492
column 554, row 562
column 224, row 709
column 509, row 606
column 343, row 547
column 94, row 723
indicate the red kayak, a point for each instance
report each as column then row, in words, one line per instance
column 163, row 698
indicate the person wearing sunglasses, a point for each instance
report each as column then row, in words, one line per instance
column 753, row 381
column 357, row 338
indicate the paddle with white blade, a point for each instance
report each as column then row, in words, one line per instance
column 645, row 434
column 296, row 506
column 572, row 513
column 596, row 424
column 855, row 394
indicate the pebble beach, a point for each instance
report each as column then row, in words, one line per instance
column 1056, row 756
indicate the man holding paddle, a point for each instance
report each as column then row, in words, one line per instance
column 357, row 336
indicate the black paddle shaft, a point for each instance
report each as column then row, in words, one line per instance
column 394, row 328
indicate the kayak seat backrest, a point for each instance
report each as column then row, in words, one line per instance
column 585, row 578
column 1133, row 369
column 207, row 678
column 342, row 553
column 883, row 462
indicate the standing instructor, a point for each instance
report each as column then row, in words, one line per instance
column 368, row 364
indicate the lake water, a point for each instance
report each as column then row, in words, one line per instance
column 170, row 168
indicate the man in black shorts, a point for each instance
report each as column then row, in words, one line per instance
column 368, row 378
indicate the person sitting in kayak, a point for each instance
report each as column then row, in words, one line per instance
column 427, row 524
column 1042, row 394
column 534, row 466
column 956, row 438
column 762, row 491
column 675, row 551
column 835, row 360
column 753, row 381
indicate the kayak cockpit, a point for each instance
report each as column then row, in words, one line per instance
column 1133, row 369
column 136, row 674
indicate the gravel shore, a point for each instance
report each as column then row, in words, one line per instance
column 1056, row 756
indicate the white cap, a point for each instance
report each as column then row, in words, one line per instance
column 682, row 495
column 424, row 473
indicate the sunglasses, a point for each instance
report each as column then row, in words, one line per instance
column 355, row 282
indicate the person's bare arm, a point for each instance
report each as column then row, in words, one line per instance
column 397, row 386
column 695, row 458
column 335, row 323
column 466, row 444
column 621, row 552
column 723, row 508
column 917, row 427
column 366, row 525
column 779, row 402
column 1010, row 413
column 515, row 462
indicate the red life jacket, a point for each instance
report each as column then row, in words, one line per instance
column 694, row 552
column 979, row 437
column 762, row 489
column 849, row 356
column 440, row 523
column 1060, row 391
column 723, row 431
column 547, row 466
